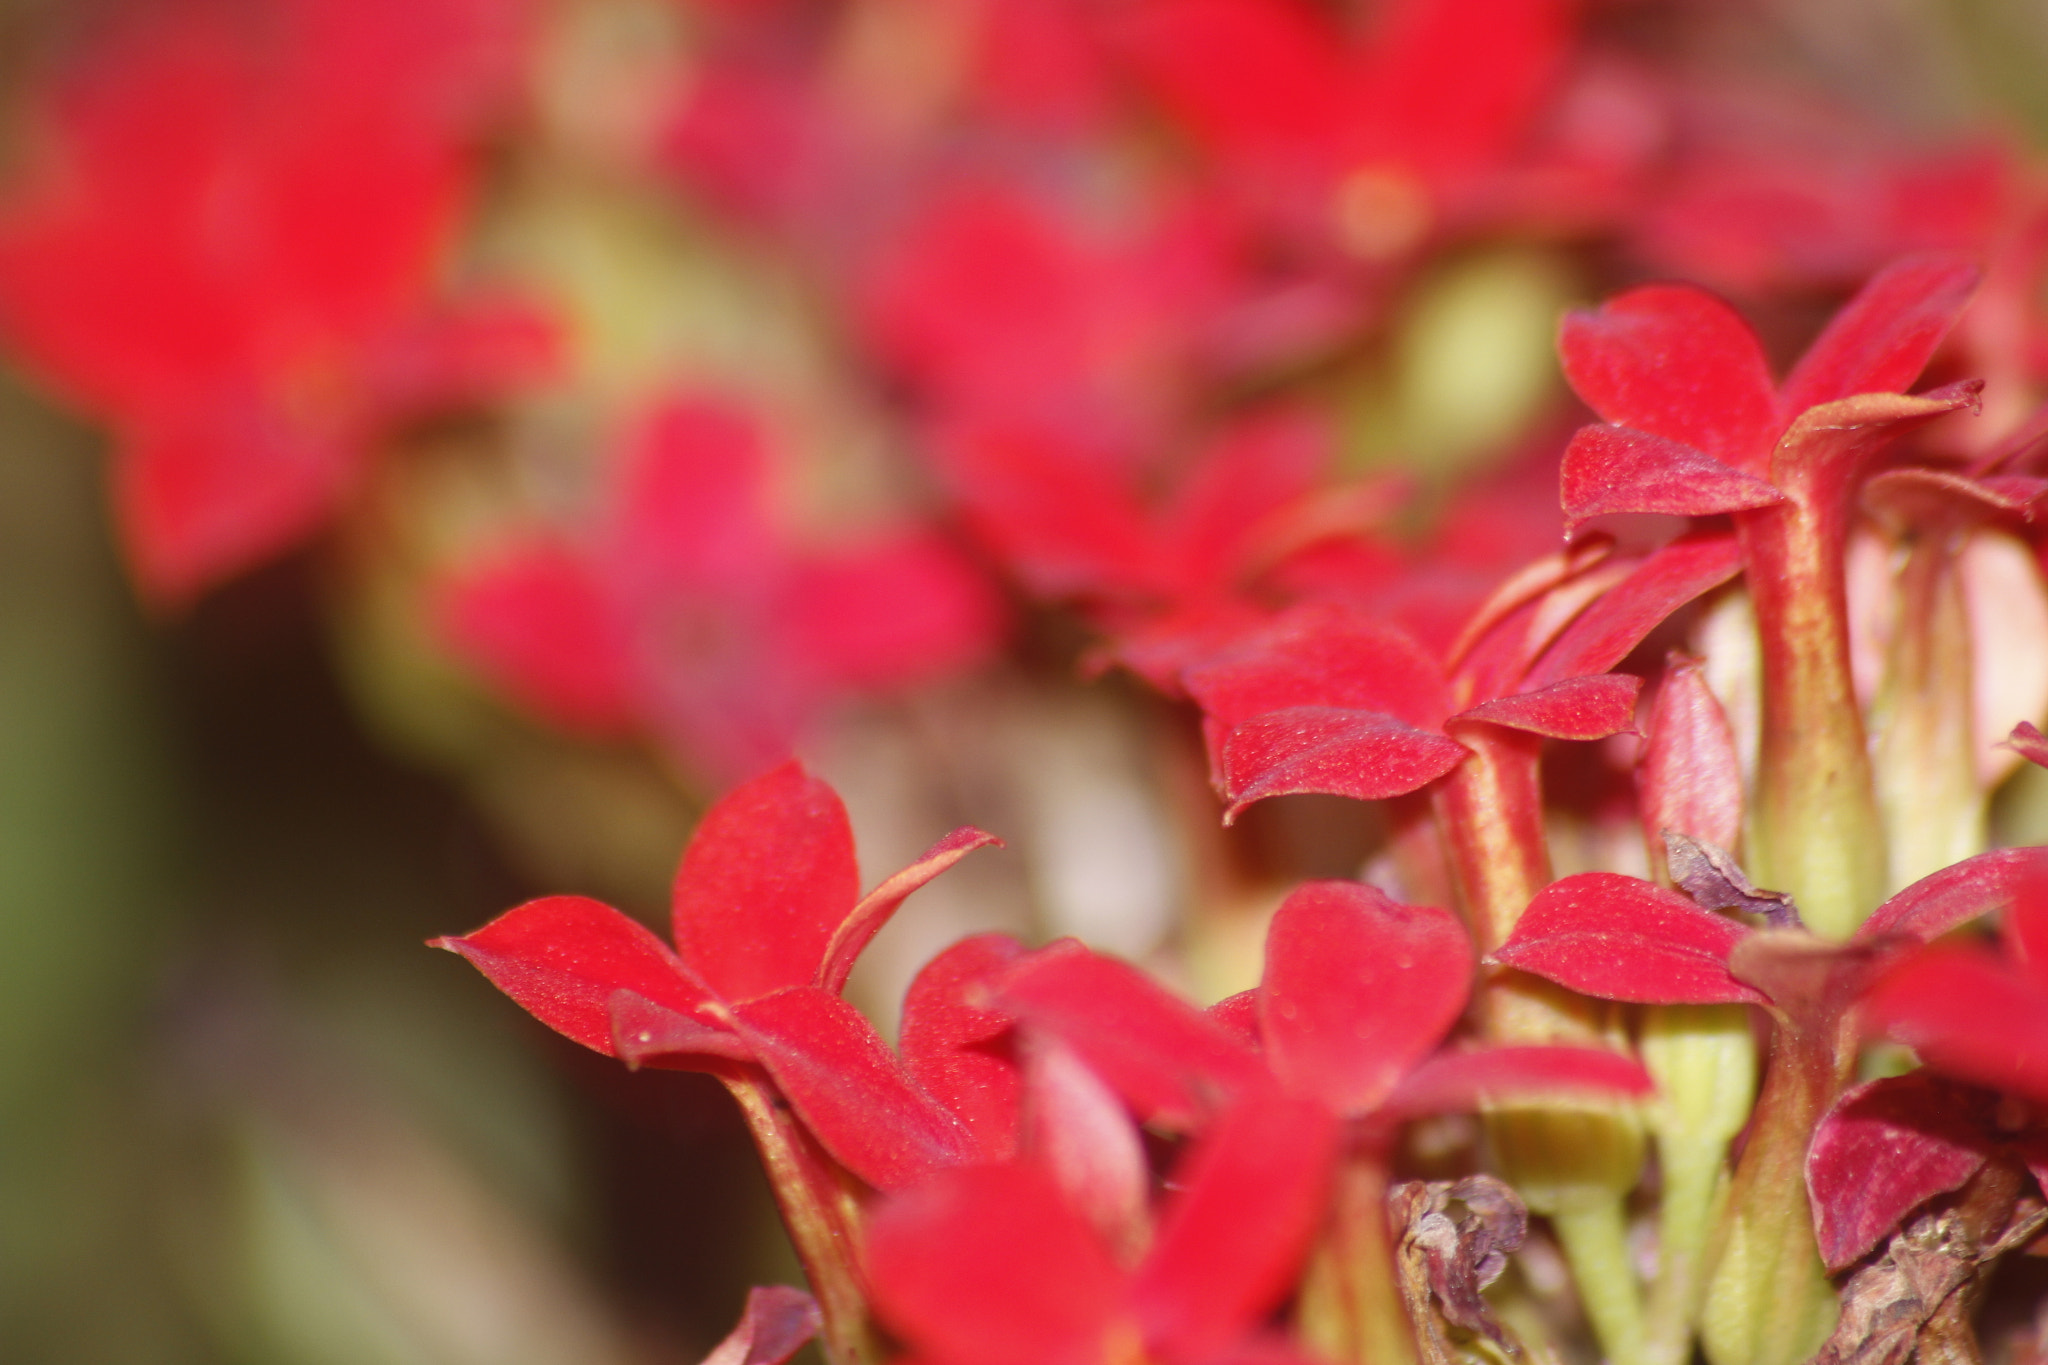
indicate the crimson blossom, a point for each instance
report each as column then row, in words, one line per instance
column 687, row 612
column 768, row 920
column 228, row 249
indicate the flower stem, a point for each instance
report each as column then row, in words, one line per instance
column 1704, row 1061
column 1768, row 1298
column 820, row 1213
column 1595, row 1241
column 1815, row 830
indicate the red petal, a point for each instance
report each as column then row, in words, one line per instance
column 774, row 1326
column 1615, row 937
column 850, row 1089
column 1231, row 1242
column 1982, row 885
column 1604, row 633
column 1319, row 654
column 202, row 497
column 1239, row 1015
column 878, row 905
column 537, row 624
column 1915, row 496
column 1256, row 469
column 647, row 1034
column 1618, row 469
column 1690, row 776
column 1970, row 1015
column 1883, row 1150
column 1252, row 78
column 1884, row 337
column 1080, row 1131
column 1676, row 362
column 691, row 501
column 563, row 957
column 1457, row 1082
column 1576, row 708
column 900, row 612
column 1826, row 448
column 957, row 1048
column 988, row 1266
column 1053, row 514
column 1171, row 1063
column 1360, row 754
column 766, row 882
column 1358, row 988
column 2029, row 743
column 1452, row 98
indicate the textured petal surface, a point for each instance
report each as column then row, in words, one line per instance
column 1367, row 755
column 563, row 957
column 958, row 1048
column 647, row 1034
column 850, row 1089
column 1884, row 1149
column 988, row 1266
column 878, row 905
column 1690, row 777
column 766, row 882
column 1826, row 449
column 1358, row 988
column 1575, row 708
column 1618, row 469
column 1619, row 938
column 1676, row 362
column 1319, row 655
column 1987, row 884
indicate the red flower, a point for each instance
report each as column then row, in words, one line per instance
column 1389, row 136
column 1359, row 991
column 227, row 251
column 692, row 615
column 992, row 1265
column 1697, row 426
column 1171, row 582
column 768, row 921
column 1330, row 700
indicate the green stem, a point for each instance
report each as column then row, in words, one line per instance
column 1595, row 1242
column 1814, row 829
column 1768, row 1298
column 1704, row 1061
column 819, row 1210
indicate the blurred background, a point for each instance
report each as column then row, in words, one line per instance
column 444, row 443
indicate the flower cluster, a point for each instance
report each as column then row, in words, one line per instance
column 1067, row 1162
column 805, row 355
